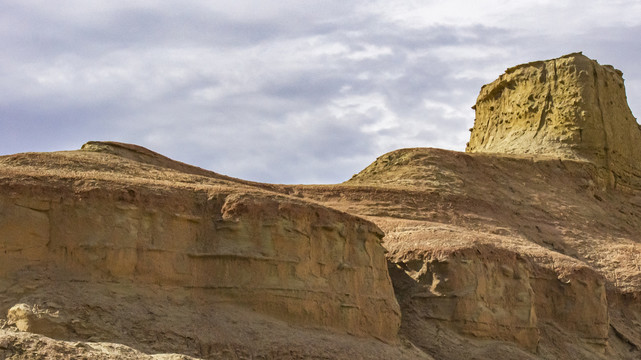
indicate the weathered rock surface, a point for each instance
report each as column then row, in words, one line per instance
column 530, row 252
column 115, row 214
column 569, row 107
column 27, row 346
column 531, row 239
column 525, row 247
column 500, row 248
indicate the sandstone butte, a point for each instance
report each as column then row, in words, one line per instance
column 527, row 246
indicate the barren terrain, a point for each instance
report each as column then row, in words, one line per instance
column 525, row 247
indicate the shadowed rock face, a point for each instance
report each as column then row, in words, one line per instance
column 570, row 107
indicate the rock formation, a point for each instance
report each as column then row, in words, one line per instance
column 530, row 238
column 525, row 247
column 570, row 107
column 504, row 248
column 115, row 214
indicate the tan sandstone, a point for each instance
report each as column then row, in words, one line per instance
column 525, row 247
column 570, row 107
column 512, row 249
column 531, row 237
column 114, row 214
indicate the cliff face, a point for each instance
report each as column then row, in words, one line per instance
column 303, row 263
column 533, row 253
column 570, row 107
column 525, row 247
column 531, row 238
column 97, row 217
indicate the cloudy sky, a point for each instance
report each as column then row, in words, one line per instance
column 288, row 91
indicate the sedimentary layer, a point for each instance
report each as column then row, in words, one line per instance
column 569, row 107
column 114, row 213
column 532, row 251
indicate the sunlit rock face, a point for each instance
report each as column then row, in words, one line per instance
column 570, row 107
column 114, row 215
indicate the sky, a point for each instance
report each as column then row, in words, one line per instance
column 288, row 91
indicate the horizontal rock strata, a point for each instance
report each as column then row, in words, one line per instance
column 95, row 217
column 529, row 250
column 570, row 107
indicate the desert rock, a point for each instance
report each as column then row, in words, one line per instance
column 508, row 248
column 570, row 107
column 524, row 247
column 530, row 238
column 114, row 215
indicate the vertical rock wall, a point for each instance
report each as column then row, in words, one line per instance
column 300, row 262
column 491, row 293
column 570, row 107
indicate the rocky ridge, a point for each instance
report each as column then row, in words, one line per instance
column 122, row 222
column 544, row 264
column 524, row 247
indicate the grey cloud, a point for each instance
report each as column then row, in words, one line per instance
column 312, row 150
column 296, row 96
column 39, row 31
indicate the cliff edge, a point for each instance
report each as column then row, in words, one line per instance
column 115, row 243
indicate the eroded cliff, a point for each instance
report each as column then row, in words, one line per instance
column 108, row 217
column 531, row 238
column 515, row 249
column 570, row 107
column 526, row 246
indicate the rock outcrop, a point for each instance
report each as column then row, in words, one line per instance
column 525, row 247
column 119, row 214
column 570, row 107
column 28, row 345
column 505, row 248
column 531, row 237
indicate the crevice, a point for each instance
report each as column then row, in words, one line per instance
column 624, row 338
column 549, row 102
column 50, row 230
column 544, row 74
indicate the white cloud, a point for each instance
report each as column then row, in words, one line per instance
column 543, row 16
column 370, row 52
column 447, row 111
column 368, row 106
